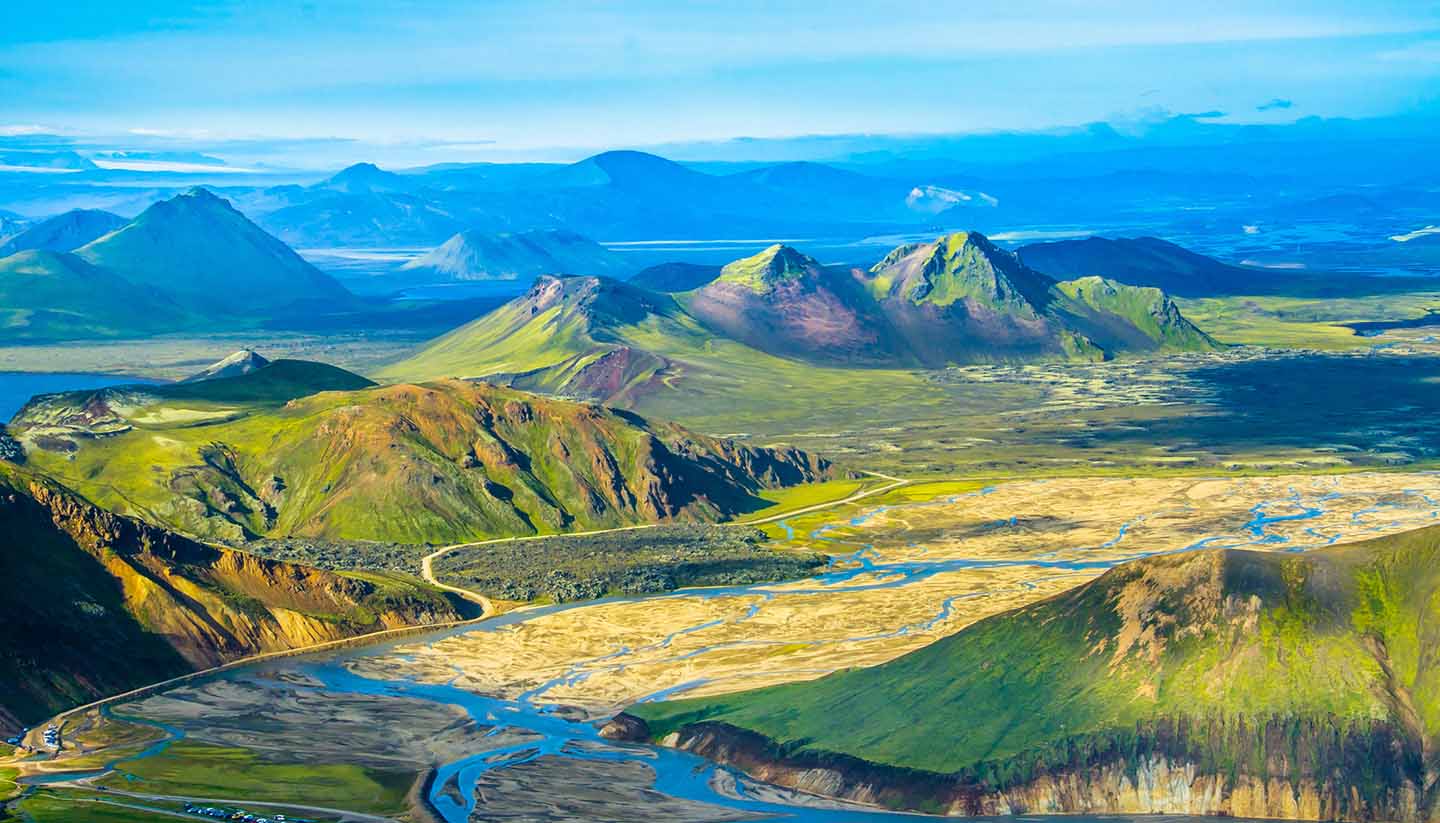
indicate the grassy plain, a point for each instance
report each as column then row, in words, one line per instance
column 1302, row 322
column 188, row 769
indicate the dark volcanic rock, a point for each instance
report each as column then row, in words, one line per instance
column 625, row 727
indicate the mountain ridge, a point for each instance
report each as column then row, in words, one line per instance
column 440, row 462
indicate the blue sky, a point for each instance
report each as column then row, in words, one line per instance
column 507, row 80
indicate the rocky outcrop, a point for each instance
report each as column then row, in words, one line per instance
column 626, row 727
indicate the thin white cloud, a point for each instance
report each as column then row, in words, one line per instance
column 170, row 166
column 24, row 129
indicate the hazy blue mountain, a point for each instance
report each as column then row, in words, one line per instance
column 325, row 218
column 45, row 160
column 477, row 255
column 1141, row 261
column 362, row 178
column 64, row 232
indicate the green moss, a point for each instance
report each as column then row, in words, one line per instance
column 762, row 272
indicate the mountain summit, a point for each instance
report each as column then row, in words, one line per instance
column 961, row 266
column 201, row 250
column 238, row 363
column 362, row 178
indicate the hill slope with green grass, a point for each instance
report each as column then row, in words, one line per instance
column 767, row 321
column 199, row 250
column 589, row 337
column 442, row 462
column 1234, row 682
column 95, row 603
column 962, row 299
column 47, row 295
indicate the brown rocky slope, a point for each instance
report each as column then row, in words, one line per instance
column 94, row 603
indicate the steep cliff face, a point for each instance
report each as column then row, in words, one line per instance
column 1221, row 682
column 96, row 603
column 1349, row 774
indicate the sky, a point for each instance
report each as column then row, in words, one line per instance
column 448, row 81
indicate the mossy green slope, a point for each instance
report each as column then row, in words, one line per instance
column 1337, row 639
column 439, row 462
column 199, row 250
column 95, row 603
column 764, row 271
column 278, row 381
column 768, row 317
column 961, row 298
column 47, row 295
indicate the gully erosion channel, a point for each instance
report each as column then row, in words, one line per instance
column 529, row 687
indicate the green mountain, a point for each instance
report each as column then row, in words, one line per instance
column 199, row 250
column 476, row 255
column 589, row 337
column 47, row 295
column 247, row 456
column 761, row 327
column 958, row 299
column 1219, row 682
column 94, row 603
column 785, row 303
column 63, row 232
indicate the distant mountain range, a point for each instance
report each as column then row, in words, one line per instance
column 187, row 261
column 1237, row 683
column 476, row 255
column 1142, row 261
column 955, row 300
column 616, row 195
